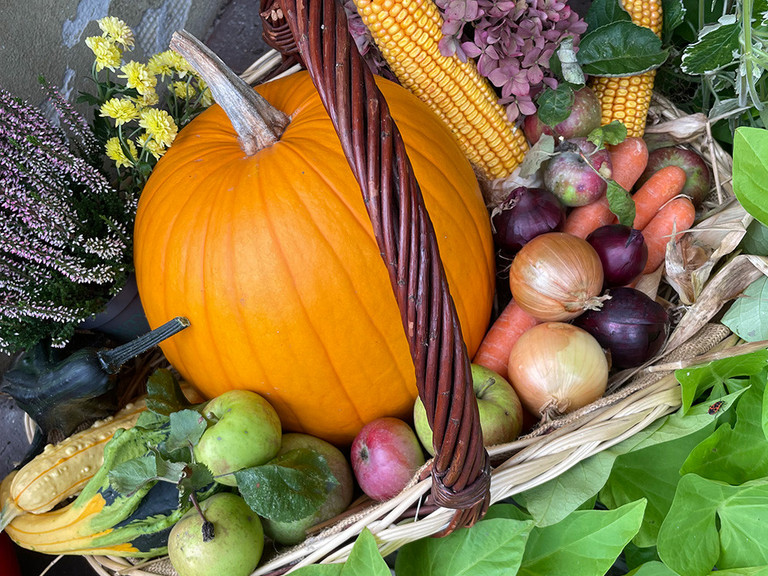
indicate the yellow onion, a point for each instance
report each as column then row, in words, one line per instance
column 556, row 368
column 556, row 276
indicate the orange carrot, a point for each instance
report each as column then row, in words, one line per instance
column 583, row 220
column 494, row 350
column 677, row 216
column 628, row 161
column 660, row 188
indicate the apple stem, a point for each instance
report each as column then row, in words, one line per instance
column 208, row 530
column 486, row 385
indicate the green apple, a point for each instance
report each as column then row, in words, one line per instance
column 339, row 495
column 501, row 413
column 235, row 548
column 244, row 431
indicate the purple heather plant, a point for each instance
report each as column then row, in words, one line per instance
column 65, row 246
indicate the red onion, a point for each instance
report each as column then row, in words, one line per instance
column 632, row 326
column 622, row 251
column 525, row 214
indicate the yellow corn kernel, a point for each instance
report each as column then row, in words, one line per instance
column 628, row 98
column 407, row 33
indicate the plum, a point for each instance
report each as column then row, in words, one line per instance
column 698, row 175
column 585, row 117
column 577, row 174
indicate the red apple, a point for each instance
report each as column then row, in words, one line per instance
column 698, row 175
column 585, row 116
column 577, row 174
column 385, row 456
column 501, row 413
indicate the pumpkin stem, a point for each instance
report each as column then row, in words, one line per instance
column 258, row 124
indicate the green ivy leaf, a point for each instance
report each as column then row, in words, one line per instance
column 651, row 473
column 748, row 315
column 603, row 12
column 554, row 106
column 750, row 171
column 755, row 241
column 585, row 543
column 620, row 49
column 620, row 202
column 654, row 568
column 715, row 47
column 636, row 557
column 735, row 454
column 364, row 560
column 694, row 381
column 164, row 395
column 493, row 546
column 290, row 487
column 711, row 524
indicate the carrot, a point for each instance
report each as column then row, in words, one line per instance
column 494, row 350
column 583, row 220
column 628, row 161
column 677, row 216
column 660, row 188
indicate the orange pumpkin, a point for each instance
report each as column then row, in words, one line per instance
column 272, row 258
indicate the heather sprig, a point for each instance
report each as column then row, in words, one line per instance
column 140, row 107
column 65, row 246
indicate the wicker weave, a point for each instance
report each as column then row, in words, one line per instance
column 458, row 485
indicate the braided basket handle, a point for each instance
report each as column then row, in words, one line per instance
column 376, row 153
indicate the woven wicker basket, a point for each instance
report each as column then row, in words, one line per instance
column 431, row 504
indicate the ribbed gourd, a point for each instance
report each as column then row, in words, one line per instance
column 272, row 257
column 628, row 98
column 407, row 33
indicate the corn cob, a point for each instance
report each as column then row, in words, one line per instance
column 628, row 98
column 407, row 33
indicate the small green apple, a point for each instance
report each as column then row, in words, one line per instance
column 339, row 495
column 235, row 548
column 501, row 413
column 245, row 431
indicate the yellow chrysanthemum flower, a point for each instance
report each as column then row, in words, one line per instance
column 167, row 63
column 108, row 54
column 146, row 100
column 116, row 152
column 206, row 99
column 138, row 76
column 159, row 125
column 117, row 31
column 183, row 90
column 120, row 110
column 154, row 147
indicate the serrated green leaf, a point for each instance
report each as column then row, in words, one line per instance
column 651, row 473
column 748, row 315
column 711, row 524
column 585, row 543
column 750, row 171
column 164, row 395
column 735, row 454
column 674, row 15
column 196, row 477
column 696, row 380
column 621, row 203
column 554, row 106
column 611, row 134
column 168, row 469
column 130, row 476
column 653, row 568
column 603, row 12
column 493, row 546
column 290, row 487
column 365, row 558
column 714, row 49
column 187, row 426
column 620, row 49
column 539, row 153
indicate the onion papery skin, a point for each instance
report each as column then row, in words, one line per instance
column 556, row 277
column 557, row 368
column 632, row 326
